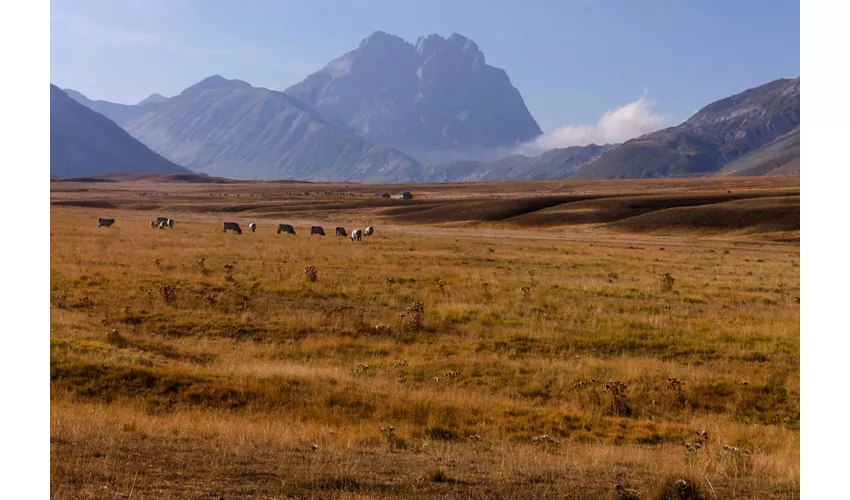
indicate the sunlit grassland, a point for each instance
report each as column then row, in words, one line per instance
column 242, row 369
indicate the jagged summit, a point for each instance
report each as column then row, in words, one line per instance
column 434, row 96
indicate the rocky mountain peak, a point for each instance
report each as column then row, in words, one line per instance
column 456, row 45
column 382, row 39
column 436, row 95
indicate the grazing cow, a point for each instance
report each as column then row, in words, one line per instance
column 369, row 230
column 285, row 228
column 232, row 226
column 105, row 222
column 356, row 234
column 160, row 220
column 340, row 231
column 170, row 223
column 317, row 230
column 252, row 227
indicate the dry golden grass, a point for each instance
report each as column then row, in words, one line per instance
column 217, row 381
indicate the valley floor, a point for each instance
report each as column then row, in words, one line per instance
column 474, row 356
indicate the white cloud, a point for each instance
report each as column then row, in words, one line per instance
column 617, row 125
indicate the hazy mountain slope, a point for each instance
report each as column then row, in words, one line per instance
column 772, row 157
column 426, row 99
column 231, row 129
column 83, row 142
column 716, row 135
column 119, row 113
column 552, row 164
column 152, row 99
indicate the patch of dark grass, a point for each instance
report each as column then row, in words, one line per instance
column 439, row 433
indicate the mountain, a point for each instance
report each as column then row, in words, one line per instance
column 550, row 165
column 229, row 128
column 119, row 113
column 432, row 99
column 83, row 142
column 778, row 157
column 715, row 136
column 153, row 99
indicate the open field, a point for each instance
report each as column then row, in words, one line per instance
column 576, row 367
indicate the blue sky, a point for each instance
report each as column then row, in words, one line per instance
column 572, row 60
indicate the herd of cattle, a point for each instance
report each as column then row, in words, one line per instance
column 168, row 223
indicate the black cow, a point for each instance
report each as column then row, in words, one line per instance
column 232, row 226
column 285, row 228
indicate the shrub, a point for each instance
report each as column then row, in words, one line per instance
column 619, row 403
column 680, row 489
column 416, row 315
column 312, row 273
column 115, row 338
column 168, row 293
column 667, row 282
column 438, row 476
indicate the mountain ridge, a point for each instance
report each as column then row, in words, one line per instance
column 714, row 136
column 84, row 143
column 229, row 128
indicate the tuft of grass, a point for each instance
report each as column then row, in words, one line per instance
column 437, row 475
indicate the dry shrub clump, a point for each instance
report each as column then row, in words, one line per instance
column 680, row 489
column 311, row 273
column 667, row 282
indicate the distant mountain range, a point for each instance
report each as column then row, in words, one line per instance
column 390, row 111
column 229, row 128
column 716, row 135
column 83, row 142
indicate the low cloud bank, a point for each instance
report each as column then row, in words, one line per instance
column 617, row 125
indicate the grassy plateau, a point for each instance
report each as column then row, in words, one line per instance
column 549, row 340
